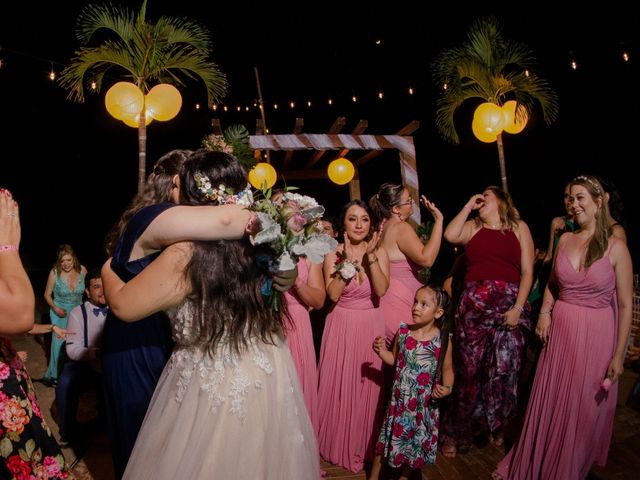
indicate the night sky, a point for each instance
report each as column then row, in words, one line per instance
column 49, row 144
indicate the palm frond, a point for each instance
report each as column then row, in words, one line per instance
column 92, row 18
column 109, row 54
column 182, row 31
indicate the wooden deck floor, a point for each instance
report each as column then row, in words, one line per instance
column 94, row 462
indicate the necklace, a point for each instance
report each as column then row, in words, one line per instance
column 493, row 226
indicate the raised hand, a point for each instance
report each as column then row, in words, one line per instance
column 433, row 210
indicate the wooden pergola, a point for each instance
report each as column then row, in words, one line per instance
column 310, row 167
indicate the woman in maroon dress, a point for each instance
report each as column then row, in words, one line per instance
column 492, row 319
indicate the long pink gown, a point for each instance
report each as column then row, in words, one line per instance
column 569, row 419
column 396, row 304
column 300, row 341
column 350, row 379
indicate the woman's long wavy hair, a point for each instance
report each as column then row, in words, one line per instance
column 63, row 250
column 599, row 242
column 509, row 215
column 157, row 189
column 226, row 281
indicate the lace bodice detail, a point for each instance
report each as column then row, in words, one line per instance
column 227, row 377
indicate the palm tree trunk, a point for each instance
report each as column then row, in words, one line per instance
column 503, row 167
column 142, row 149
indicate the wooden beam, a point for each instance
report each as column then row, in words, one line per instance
column 404, row 131
column 360, row 128
column 257, row 154
column 215, row 126
column 289, row 155
column 335, row 128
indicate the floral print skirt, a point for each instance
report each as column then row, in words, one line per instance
column 27, row 446
column 488, row 358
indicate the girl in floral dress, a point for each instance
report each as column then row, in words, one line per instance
column 409, row 434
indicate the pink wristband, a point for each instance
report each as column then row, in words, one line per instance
column 5, row 248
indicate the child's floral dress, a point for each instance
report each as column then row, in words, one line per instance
column 409, row 434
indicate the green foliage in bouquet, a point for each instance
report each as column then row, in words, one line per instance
column 424, row 233
column 235, row 141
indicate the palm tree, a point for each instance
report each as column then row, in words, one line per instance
column 171, row 50
column 494, row 69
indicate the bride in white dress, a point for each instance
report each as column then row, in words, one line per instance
column 228, row 403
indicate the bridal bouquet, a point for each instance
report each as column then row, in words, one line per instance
column 290, row 227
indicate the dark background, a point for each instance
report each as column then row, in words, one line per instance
column 312, row 51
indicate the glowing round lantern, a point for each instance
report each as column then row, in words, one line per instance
column 481, row 133
column 134, row 120
column 341, row 171
column 164, row 102
column 263, row 175
column 124, row 99
column 487, row 122
column 511, row 123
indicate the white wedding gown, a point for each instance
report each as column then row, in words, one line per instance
column 228, row 417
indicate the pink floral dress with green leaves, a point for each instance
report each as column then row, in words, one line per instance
column 409, row 434
column 27, row 446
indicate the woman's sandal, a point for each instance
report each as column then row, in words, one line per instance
column 448, row 448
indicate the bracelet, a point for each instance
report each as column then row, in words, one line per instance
column 7, row 248
column 467, row 207
column 546, row 312
column 516, row 307
column 372, row 261
column 448, row 387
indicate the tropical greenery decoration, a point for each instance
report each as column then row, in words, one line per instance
column 490, row 68
column 424, row 233
column 171, row 51
column 234, row 141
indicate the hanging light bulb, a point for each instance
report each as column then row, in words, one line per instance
column 341, row 171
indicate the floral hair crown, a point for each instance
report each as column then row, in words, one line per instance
column 222, row 195
column 584, row 178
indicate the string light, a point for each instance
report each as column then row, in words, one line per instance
column 330, row 102
column 354, row 99
column 238, row 108
column 197, row 106
column 292, row 104
column 94, row 85
column 246, row 109
column 410, row 90
column 275, row 106
column 527, row 73
column 52, row 73
column 574, row 65
column 225, row 108
column 215, row 107
column 308, row 103
column 625, row 56
column 445, row 86
column 380, row 95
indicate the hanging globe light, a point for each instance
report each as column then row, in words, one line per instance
column 341, row 171
column 481, row 133
column 513, row 124
column 134, row 120
column 124, row 99
column 263, row 175
column 487, row 122
column 163, row 101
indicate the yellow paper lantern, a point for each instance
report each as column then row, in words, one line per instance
column 124, row 99
column 487, row 121
column 164, row 102
column 263, row 175
column 134, row 120
column 512, row 124
column 341, row 171
column 481, row 133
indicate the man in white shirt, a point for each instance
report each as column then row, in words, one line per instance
column 81, row 371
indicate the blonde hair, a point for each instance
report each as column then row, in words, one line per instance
column 63, row 250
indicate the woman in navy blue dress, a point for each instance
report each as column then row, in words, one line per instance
column 134, row 354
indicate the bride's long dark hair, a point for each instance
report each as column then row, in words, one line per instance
column 226, row 282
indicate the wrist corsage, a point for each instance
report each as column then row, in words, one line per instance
column 346, row 268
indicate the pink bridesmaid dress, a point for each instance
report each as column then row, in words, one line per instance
column 397, row 303
column 350, row 379
column 569, row 418
column 300, row 341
